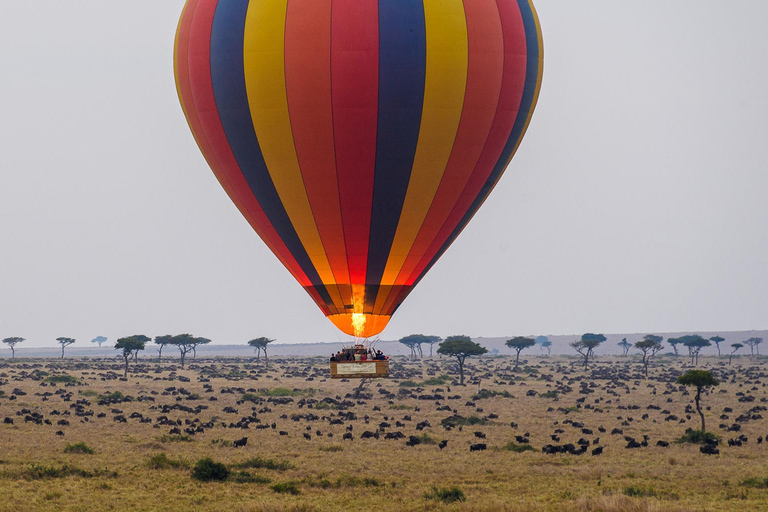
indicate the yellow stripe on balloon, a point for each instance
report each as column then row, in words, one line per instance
column 444, row 89
column 264, row 62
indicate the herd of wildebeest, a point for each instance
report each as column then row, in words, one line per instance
column 242, row 401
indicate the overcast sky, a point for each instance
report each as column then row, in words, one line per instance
column 638, row 201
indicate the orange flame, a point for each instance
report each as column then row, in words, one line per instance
column 358, row 324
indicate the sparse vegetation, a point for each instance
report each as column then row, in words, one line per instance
column 162, row 461
column 79, row 448
column 286, row 488
column 445, row 495
column 260, row 463
column 208, row 470
column 518, row 448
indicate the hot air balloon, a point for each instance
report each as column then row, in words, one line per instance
column 358, row 137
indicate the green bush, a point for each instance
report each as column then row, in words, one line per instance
column 286, row 488
column 62, row 379
column 698, row 437
column 79, row 448
column 426, row 439
column 250, row 397
column 445, row 495
column 454, row 421
column 639, row 492
column 207, row 470
column 408, row 384
column 549, row 394
column 757, row 483
column 88, row 392
column 259, row 463
column 487, row 393
column 517, row 448
column 243, row 477
column 162, row 461
column 165, row 438
column 332, row 448
column 41, row 472
column 282, row 392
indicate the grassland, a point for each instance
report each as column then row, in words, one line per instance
column 143, row 466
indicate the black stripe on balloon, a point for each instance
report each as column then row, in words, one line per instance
column 402, row 71
column 232, row 102
column 526, row 104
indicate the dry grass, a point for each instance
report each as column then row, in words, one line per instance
column 126, row 472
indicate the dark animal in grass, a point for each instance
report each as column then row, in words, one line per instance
column 709, row 449
column 443, row 444
column 394, row 435
column 663, row 444
column 479, row 435
column 477, row 447
column 412, row 441
column 597, row 451
column 283, row 433
column 348, row 435
column 60, row 433
column 308, row 437
column 522, row 440
column 240, row 442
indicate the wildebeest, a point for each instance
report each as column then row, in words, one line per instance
column 240, row 442
column 477, row 447
column 443, row 444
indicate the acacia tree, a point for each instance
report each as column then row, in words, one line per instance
column 717, row 340
column 649, row 346
column 260, row 344
column 736, row 347
column 12, row 342
column 701, row 379
column 130, row 346
column 65, row 342
column 413, row 342
column 432, row 340
column 586, row 346
column 461, row 347
column 753, row 343
column 194, row 344
column 99, row 340
column 545, row 343
column 674, row 342
column 695, row 343
column 625, row 346
column 161, row 342
column 520, row 343
column 184, row 343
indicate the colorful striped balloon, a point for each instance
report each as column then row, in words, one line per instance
column 358, row 137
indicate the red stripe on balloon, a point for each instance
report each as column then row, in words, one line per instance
column 354, row 93
column 308, row 87
column 197, row 90
column 484, row 79
column 513, row 83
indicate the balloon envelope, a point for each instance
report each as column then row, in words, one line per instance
column 358, row 137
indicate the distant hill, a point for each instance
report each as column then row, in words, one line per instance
column 559, row 346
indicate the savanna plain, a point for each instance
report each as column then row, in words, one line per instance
column 76, row 434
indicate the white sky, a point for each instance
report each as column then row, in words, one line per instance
column 637, row 202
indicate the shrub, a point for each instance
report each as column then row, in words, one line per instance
column 426, row 439
column 286, row 488
column 445, row 495
column 456, row 420
column 698, row 437
column 487, row 393
column 549, row 394
column 281, row 392
column 41, row 472
column 115, row 397
column 757, row 483
column 408, row 384
column 332, row 448
column 243, row 477
column 79, row 448
column 165, row 438
column 250, row 397
column 639, row 492
column 162, row 461
column 517, row 448
column 88, row 392
column 207, row 470
column 62, row 379
column 259, row 463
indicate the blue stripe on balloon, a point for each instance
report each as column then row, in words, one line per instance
column 232, row 102
column 526, row 104
column 402, row 69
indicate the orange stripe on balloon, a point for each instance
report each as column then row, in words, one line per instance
column 308, row 90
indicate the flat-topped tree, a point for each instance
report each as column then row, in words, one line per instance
column 161, row 342
column 753, row 344
column 130, row 346
column 65, row 342
column 717, row 340
column 99, row 340
column 694, row 343
column 586, row 346
column 674, row 342
column 184, row 343
column 415, row 341
column 544, row 343
column 700, row 379
column 649, row 346
column 736, row 347
column 12, row 342
column 432, row 340
column 260, row 345
column 625, row 346
column 461, row 347
column 195, row 343
column 518, row 344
